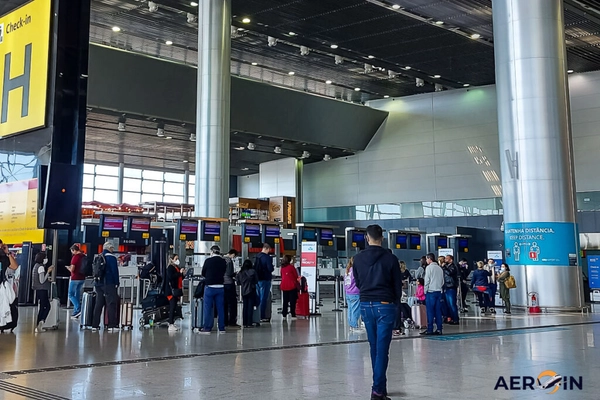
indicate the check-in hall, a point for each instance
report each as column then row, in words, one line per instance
column 299, row 199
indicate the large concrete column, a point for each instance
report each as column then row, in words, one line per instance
column 213, row 113
column 536, row 149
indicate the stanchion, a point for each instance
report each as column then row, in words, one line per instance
column 337, row 295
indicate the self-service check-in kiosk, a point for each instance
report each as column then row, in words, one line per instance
column 459, row 243
column 356, row 240
column 271, row 234
column 251, row 237
column 406, row 245
column 437, row 242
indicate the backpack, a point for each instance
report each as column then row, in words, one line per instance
column 147, row 271
column 99, row 267
column 86, row 267
column 510, row 282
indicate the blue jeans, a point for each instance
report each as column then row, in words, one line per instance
column 264, row 288
column 75, row 289
column 353, row 309
column 433, row 303
column 493, row 290
column 379, row 321
column 212, row 296
column 450, row 295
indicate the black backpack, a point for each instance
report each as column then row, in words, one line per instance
column 86, row 267
column 147, row 271
column 99, row 267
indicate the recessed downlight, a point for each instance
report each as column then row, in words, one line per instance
column 194, row 4
column 292, row 33
column 386, row 96
column 407, row 68
column 255, row 64
column 357, row 89
column 437, row 76
column 371, row 57
column 475, row 36
column 466, row 85
column 168, row 42
column 334, row 46
column 291, row 73
column 570, row 71
column 246, row 20
column 116, row 29
column 245, row 169
column 328, row 82
column 439, row 22
column 396, row 7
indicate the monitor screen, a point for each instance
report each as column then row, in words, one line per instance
column 402, row 240
column 309, row 234
column 112, row 223
column 212, row 229
column 415, row 240
column 139, row 224
column 326, row 234
column 358, row 237
column 463, row 243
column 272, row 231
column 189, row 227
column 252, row 231
column 442, row 242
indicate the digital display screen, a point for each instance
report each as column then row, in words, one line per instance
column 327, row 234
column 442, row 242
column 272, row 231
column 139, row 225
column 189, row 227
column 415, row 240
column 252, row 231
column 402, row 241
column 111, row 223
column 358, row 237
column 463, row 243
column 212, row 228
column 309, row 234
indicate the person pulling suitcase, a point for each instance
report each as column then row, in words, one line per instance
column 106, row 282
column 40, row 282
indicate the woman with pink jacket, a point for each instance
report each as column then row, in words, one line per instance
column 353, row 298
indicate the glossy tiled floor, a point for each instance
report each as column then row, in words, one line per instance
column 299, row 359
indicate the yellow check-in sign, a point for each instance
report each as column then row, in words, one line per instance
column 24, row 59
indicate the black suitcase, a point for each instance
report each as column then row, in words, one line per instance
column 197, row 314
column 14, row 313
column 88, row 303
column 154, row 301
column 159, row 315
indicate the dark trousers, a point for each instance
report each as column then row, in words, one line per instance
column 248, row 309
column 44, row 300
column 402, row 312
column 290, row 297
column 172, row 306
column 106, row 297
column 464, row 290
column 231, row 307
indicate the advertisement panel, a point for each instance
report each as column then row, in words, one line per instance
column 308, row 264
column 18, row 212
column 541, row 243
column 24, row 60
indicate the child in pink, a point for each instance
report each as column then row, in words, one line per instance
column 420, row 294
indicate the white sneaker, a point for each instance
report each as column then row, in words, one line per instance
column 173, row 328
column 357, row 330
column 222, row 332
column 39, row 328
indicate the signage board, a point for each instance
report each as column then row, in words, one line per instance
column 308, row 264
column 445, row 252
column 541, row 243
column 24, row 60
column 593, row 263
column 18, row 212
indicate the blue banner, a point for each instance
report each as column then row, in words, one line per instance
column 594, row 271
column 541, row 243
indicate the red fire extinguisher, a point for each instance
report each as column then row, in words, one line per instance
column 534, row 306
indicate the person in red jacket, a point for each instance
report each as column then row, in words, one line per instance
column 289, row 286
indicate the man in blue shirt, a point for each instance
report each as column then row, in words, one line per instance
column 377, row 276
column 106, row 291
column 264, row 268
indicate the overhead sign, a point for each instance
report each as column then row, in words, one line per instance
column 593, row 263
column 445, row 252
column 18, row 212
column 24, row 60
column 541, row 243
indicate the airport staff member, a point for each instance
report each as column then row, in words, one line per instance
column 377, row 276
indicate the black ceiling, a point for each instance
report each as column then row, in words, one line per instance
column 140, row 146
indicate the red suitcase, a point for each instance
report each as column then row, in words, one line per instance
column 303, row 305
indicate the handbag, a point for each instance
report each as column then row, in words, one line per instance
column 177, row 292
column 510, row 282
column 199, row 293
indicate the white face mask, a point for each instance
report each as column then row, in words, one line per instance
column 503, row 269
column 176, row 262
column 45, row 261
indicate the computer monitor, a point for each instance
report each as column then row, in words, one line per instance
column 463, row 245
column 359, row 239
column 138, row 228
column 309, row 234
column 271, row 233
column 401, row 241
column 442, row 242
column 187, row 228
column 111, row 226
column 415, row 242
column 326, row 237
column 210, row 231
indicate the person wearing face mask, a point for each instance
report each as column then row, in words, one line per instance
column 504, row 291
column 41, row 284
column 174, row 289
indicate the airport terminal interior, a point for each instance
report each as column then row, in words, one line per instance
column 144, row 144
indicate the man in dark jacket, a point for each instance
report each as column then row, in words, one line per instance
column 377, row 276
column 450, row 289
column 231, row 301
column 264, row 268
column 106, row 291
column 214, row 273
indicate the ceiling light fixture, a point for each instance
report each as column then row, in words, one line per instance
column 326, row 157
column 291, row 73
column 304, row 51
column 169, row 137
column 185, row 161
column 168, row 42
column 419, row 82
column 152, row 6
column 437, row 76
column 475, row 36
column 277, row 150
column 438, row 87
column 368, row 68
column 251, row 146
column 192, row 137
column 339, row 60
column 245, row 169
column 305, row 154
column 328, row 82
column 570, row 71
column 246, row 20
column 121, row 127
column 357, row 89
column 116, row 29
column 160, row 132
column 255, row 64
column 392, row 74
column 371, row 57
column 292, row 34
column 386, row 96
column 271, row 41
column 396, row 7
column 191, row 18
column 334, row 46
column 466, row 85
column 194, row 4
column 407, row 68
column 240, row 148
column 439, row 22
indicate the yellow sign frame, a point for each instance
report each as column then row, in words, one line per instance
column 25, row 36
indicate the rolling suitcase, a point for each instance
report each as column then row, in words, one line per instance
column 269, row 310
column 88, row 303
column 53, row 318
column 197, row 314
column 256, row 316
column 118, row 316
column 126, row 315
column 419, row 315
column 303, row 305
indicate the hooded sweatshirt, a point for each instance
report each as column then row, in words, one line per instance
column 377, row 275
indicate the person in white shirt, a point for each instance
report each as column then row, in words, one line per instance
column 434, row 282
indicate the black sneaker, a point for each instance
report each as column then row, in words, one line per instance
column 427, row 333
column 437, row 333
column 377, row 396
